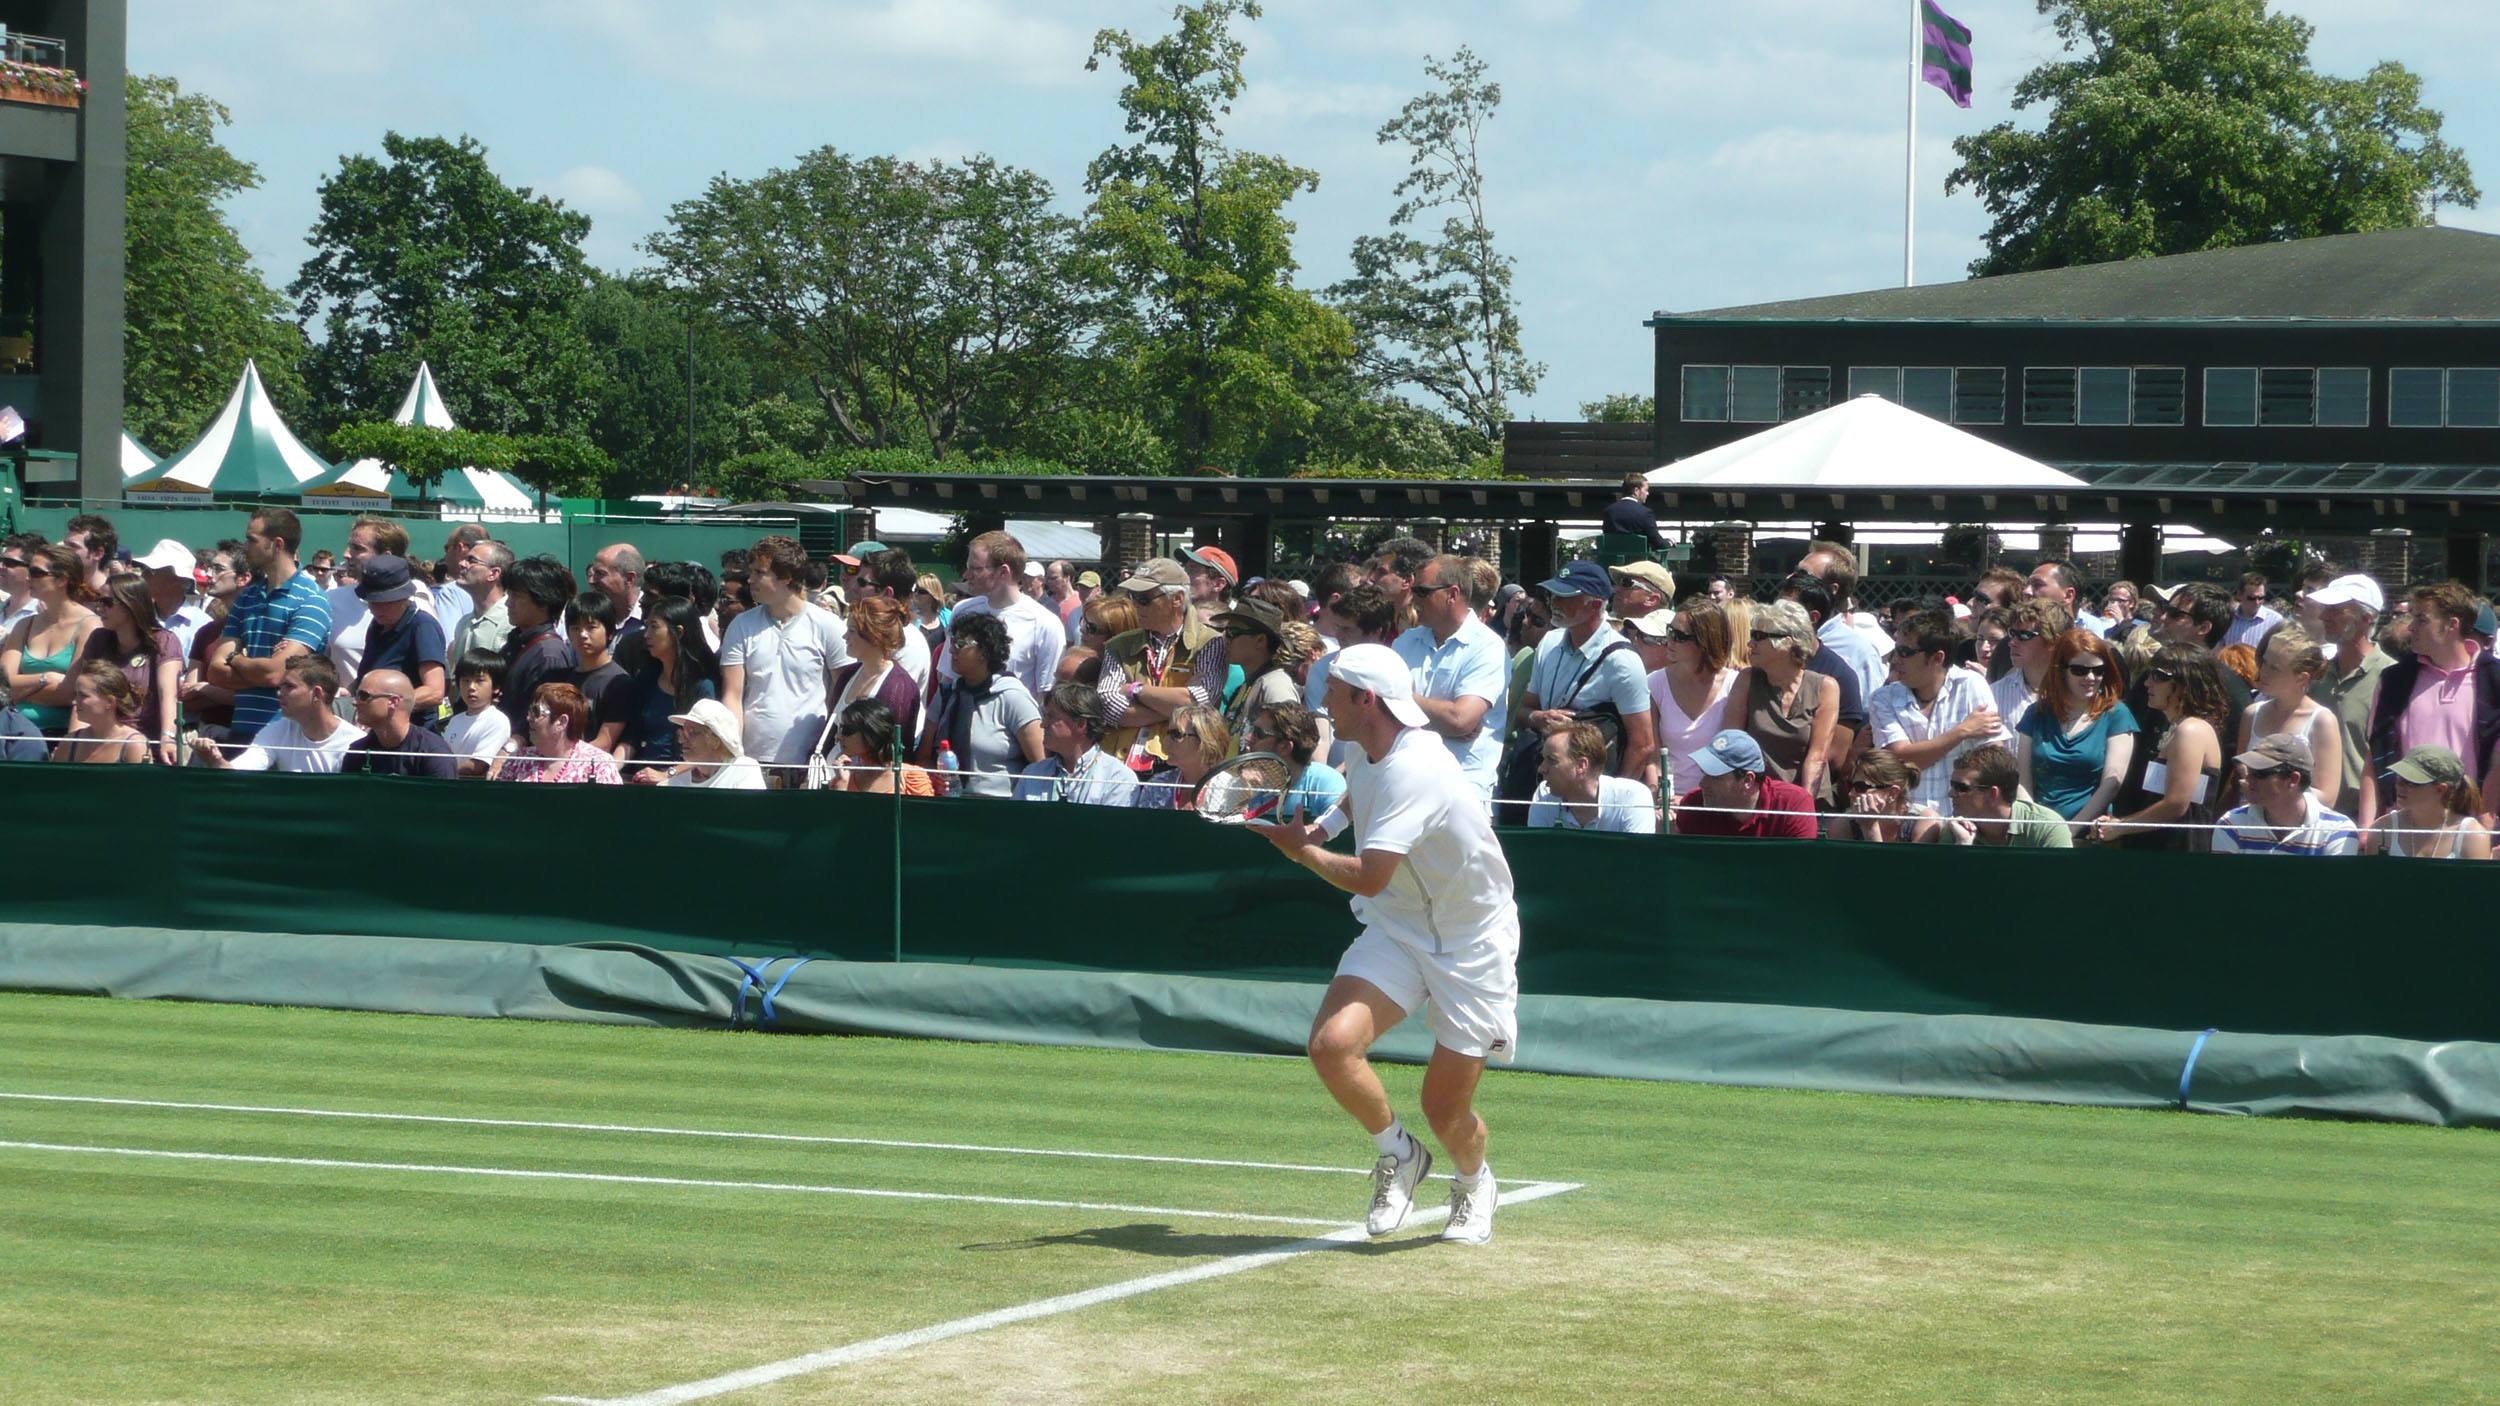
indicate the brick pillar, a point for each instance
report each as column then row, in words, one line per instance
column 1432, row 530
column 858, row 525
column 2388, row 559
column 1135, row 542
column 1733, row 544
column 2057, row 539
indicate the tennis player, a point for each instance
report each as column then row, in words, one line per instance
column 1440, row 925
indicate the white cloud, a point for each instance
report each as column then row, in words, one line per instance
column 801, row 48
column 597, row 192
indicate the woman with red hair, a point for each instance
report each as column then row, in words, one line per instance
column 2078, row 738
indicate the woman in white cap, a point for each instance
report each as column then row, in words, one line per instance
column 708, row 734
column 2434, row 813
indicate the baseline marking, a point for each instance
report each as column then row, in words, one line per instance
column 814, row 1138
column 618, row 1178
column 887, row 1346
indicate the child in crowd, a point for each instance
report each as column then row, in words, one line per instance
column 479, row 731
column 590, row 624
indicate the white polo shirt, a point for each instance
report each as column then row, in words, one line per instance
column 1623, row 805
column 1453, row 889
column 1896, row 716
column 1471, row 663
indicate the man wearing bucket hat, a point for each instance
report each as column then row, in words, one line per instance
column 399, row 636
column 2282, row 815
column 1440, row 931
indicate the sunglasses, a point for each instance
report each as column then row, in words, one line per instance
column 1911, row 651
column 2086, row 671
column 1764, row 636
column 541, row 711
column 1244, row 632
column 13, row 561
column 2172, row 612
column 1180, row 736
column 37, row 571
column 2161, row 676
column 1964, row 788
column 1679, row 636
column 362, row 696
column 2024, row 635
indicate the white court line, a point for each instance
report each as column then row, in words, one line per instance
column 689, row 1132
column 887, row 1346
column 618, row 1178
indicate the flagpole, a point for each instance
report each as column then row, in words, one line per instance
column 1909, row 156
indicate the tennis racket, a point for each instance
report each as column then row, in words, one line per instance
column 1249, row 787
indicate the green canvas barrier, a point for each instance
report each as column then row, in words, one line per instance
column 574, row 542
column 2174, row 942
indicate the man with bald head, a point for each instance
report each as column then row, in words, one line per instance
column 616, row 572
column 391, row 746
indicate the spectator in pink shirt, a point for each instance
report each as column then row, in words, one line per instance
column 2446, row 693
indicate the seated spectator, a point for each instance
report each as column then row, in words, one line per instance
column 1741, row 797
column 478, row 732
column 1292, row 731
column 1077, row 664
column 558, row 753
column 392, row 745
column 40, row 648
column 2283, row 815
column 1074, row 767
column 1254, row 642
column 590, row 621
column 1199, row 743
column 679, row 669
column 1105, row 618
column 2434, row 812
column 708, row 736
column 1791, row 712
column 20, row 739
column 1575, row 793
column 1931, row 711
column 104, row 717
column 307, row 734
column 2078, row 737
column 132, row 638
column 1880, row 797
column 2184, row 685
column 985, row 715
column 870, row 749
column 1989, row 808
column 1689, row 694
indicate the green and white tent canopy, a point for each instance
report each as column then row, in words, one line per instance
column 367, row 483
column 136, row 460
column 246, row 452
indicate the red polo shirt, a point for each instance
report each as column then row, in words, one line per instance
column 1786, row 813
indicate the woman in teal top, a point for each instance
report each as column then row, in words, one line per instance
column 2077, row 739
column 39, row 650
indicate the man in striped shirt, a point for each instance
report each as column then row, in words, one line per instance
column 2283, row 815
column 280, row 615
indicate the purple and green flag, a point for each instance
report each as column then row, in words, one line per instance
column 1946, row 53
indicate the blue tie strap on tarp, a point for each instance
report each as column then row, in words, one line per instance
column 2187, row 1072
column 752, row 978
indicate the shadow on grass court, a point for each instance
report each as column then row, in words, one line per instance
column 1163, row 1242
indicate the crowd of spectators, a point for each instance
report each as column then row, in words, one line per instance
column 1602, row 698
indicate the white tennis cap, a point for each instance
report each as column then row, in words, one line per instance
column 1377, row 669
column 2351, row 590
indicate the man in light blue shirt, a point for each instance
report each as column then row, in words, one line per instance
column 1579, row 666
column 1462, row 672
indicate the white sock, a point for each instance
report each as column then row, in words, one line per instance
column 1475, row 1180
column 1393, row 1140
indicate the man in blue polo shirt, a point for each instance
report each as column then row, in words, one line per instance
column 1586, row 664
column 280, row 615
column 1462, row 673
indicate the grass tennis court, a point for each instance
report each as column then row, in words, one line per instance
column 1721, row 1243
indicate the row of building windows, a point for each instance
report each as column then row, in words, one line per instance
column 2268, row 396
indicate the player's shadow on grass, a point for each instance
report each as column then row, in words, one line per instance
column 1165, row 1242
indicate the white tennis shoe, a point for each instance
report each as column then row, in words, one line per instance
column 1471, row 1213
column 1393, row 1189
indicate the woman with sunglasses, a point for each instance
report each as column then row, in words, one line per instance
column 133, row 639
column 1198, row 742
column 41, row 649
column 2435, row 810
column 1790, row 711
column 2183, row 684
column 1689, row 692
column 2078, row 737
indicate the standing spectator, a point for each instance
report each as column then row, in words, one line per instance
column 2432, row 815
column 1254, row 642
column 929, row 614
column 1588, row 666
column 1200, row 743
column 1461, row 673
column 1073, row 766
column 2251, row 617
column 1531, row 620
column 1060, row 594
column 350, row 623
column 2292, row 666
column 400, row 637
column 488, row 622
column 1719, row 591
column 280, row 615
column 1355, row 612
column 1999, row 586
column 678, row 671
column 994, row 567
column 392, row 745
column 2348, row 608
column 222, row 576
column 1990, row 809
column 1575, row 793
column 104, row 717
column 2185, row 684
column 616, row 572
column 17, row 584
column 887, row 572
column 1689, row 696
column 870, row 753
column 1292, row 731
column 2118, row 603
column 322, row 568
column 478, row 732
column 171, row 570
column 451, row 600
column 1104, row 619
column 558, row 753
column 1854, row 635
column 1630, row 514
column 1933, row 712
column 2446, row 693
column 985, row 714
column 306, row 735
column 1791, row 712
column 132, row 639
column 1164, row 665
column 874, row 636
column 590, row 621
column 2057, row 580
column 2282, row 815
column 2037, row 624
column 1393, row 567
column 1983, row 648
column 536, row 592
column 92, row 538
column 709, row 738
column 777, row 660
column 1213, row 578
column 1880, row 805
column 2078, row 738
column 1738, row 796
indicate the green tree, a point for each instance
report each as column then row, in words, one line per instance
column 194, row 307
column 1436, row 314
column 1622, row 408
column 651, row 411
column 927, row 304
column 422, row 454
column 2185, row 126
column 424, row 254
column 1194, row 233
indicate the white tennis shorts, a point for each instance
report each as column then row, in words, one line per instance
column 1470, row 994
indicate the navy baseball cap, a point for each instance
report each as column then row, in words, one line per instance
column 1581, row 578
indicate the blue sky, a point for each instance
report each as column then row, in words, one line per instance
column 1658, row 154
